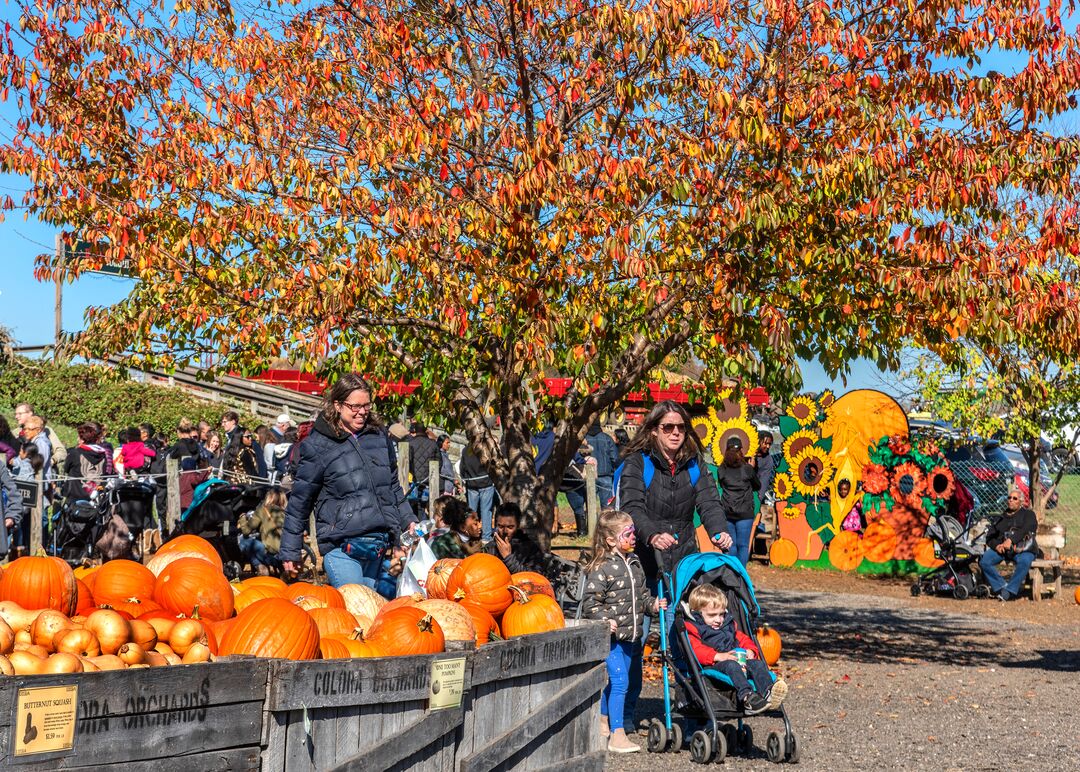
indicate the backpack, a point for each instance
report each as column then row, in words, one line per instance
column 648, row 471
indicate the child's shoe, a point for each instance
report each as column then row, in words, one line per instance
column 754, row 703
column 777, row 694
column 620, row 744
column 605, row 730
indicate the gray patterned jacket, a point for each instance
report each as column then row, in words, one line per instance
column 617, row 590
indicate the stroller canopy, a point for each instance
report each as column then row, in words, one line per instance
column 710, row 567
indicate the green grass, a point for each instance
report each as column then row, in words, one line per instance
column 1067, row 512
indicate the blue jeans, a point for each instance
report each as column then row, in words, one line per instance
column 482, row 501
column 358, row 561
column 742, row 531
column 255, row 551
column 990, row 559
column 604, row 490
column 755, row 668
column 576, row 498
column 613, row 698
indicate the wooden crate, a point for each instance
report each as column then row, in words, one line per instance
column 536, row 702
column 205, row 717
column 359, row 714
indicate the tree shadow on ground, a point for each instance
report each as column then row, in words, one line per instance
column 838, row 627
column 1056, row 661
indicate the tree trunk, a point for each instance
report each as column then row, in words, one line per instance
column 1035, row 491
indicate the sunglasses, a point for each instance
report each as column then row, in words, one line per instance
column 672, row 428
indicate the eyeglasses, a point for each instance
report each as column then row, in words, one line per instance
column 672, row 428
column 360, row 407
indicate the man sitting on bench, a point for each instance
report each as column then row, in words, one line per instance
column 1010, row 538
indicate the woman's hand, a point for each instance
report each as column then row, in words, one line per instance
column 723, row 541
column 663, row 541
column 289, row 567
column 659, row 603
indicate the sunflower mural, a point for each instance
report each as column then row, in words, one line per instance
column 729, row 419
column 853, row 492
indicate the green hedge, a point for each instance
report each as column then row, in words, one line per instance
column 71, row 394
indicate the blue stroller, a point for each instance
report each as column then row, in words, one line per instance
column 704, row 702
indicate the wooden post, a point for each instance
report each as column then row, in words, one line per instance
column 172, row 495
column 434, row 485
column 35, row 516
column 403, row 466
column 592, row 498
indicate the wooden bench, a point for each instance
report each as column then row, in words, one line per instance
column 1045, row 573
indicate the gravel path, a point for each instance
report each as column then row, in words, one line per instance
column 883, row 682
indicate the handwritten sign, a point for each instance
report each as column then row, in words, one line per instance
column 447, row 683
column 45, row 720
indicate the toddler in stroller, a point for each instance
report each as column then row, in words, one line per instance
column 711, row 685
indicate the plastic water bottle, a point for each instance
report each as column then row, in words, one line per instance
column 423, row 528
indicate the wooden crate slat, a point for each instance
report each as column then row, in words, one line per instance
column 540, row 653
column 394, row 749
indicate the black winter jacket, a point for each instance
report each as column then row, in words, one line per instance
column 668, row 505
column 351, row 483
column 617, row 590
column 422, row 451
column 604, row 450
column 525, row 555
column 737, row 487
column 473, row 473
column 1019, row 526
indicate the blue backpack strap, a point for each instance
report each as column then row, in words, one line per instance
column 694, row 470
column 648, row 469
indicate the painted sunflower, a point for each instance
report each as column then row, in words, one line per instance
column 783, row 486
column 812, row 471
column 704, row 428
column 825, row 399
column 804, row 410
column 875, row 479
column 929, row 448
column 734, row 427
column 939, row 483
column 729, row 408
column 907, row 483
column 792, row 513
column 797, row 443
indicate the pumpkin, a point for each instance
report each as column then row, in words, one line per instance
column 191, row 543
column 332, row 648
column 361, row 601
column 40, row 582
column 879, row 542
column 273, row 627
column 1076, row 595
column 407, row 630
column 323, row 592
column 531, row 614
column 768, row 641
column 533, row 583
column 121, row 580
column 252, row 594
column 783, row 553
column 271, row 582
column 134, row 607
column 192, row 583
column 85, row 600
column 487, row 629
column 309, row 603
column 456, row 623
column 358, row 646
column 333, row 620
column 845, row 551
column 439, row 575
column 483, row 579
column 215, row 631
column 401, row 601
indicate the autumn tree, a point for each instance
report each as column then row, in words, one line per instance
column 472, row 193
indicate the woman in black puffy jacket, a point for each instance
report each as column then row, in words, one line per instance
column 347, row 474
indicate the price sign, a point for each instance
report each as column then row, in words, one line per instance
column 45, row 720
column 447, row 683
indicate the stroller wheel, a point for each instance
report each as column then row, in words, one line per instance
column 746, row 739
column 701, row 750
column 731, row 738
column 916, row 590
column 676, row 738
column 792, row 749
column 982, row 591
column 774, row 748
column 960, row 592
column 657, row 741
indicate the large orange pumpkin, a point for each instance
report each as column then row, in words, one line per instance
column 323, row 592
column 273, row 627
column 533, row 583
column 40, row 582
column 192, row 543
column 86, row 598
column 252, row 594
column 531, row 614
column 407, row 630
column 359, row 646
column 401, row 601
column 332, row 621
column 265, row 581
column 769, row 643
column 133, row 606
column 191, row 583
column 331, row 648
column 439, row 576
column 455, row 621
column 123, row 580
column 483, row 579
column 487, row 629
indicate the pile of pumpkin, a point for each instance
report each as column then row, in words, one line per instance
column 180, row 609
